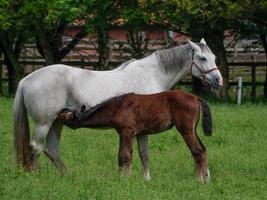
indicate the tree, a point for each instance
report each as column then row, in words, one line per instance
column 136, row 20
column 208, row 19
column 97, row 16
column 204, row 18
column 254, row 24
column 13, row 35
column 104, row 15
column 49, row 21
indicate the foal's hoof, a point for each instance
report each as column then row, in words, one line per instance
column 205, row 177
column 124, row 171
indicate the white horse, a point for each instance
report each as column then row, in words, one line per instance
column 43, row 93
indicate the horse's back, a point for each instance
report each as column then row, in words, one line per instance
column 46, row 90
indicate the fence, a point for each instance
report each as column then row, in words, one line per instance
column 252, row 72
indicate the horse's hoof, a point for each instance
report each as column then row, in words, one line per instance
column 34, row 168
column 63, row 171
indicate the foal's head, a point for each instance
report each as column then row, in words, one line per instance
column 101, row 112
column 70, row 117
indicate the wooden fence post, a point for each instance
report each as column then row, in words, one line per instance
column 239, row 91
column 253, row 78
column 82, row 63
column 1, row 78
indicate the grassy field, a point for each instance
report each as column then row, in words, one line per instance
column 237, row 159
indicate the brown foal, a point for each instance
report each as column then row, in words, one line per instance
column 135, row 115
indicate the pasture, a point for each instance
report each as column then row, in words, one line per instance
column 237, row 162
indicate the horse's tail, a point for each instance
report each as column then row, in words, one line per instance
column 206, row 117
column 21, row 130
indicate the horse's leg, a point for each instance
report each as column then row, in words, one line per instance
column 52, row 146
column 41, row 132
column 142, row 141
column 125, row 151
column 198, row 152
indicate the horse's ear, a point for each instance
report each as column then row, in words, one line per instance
column 194, row 46
column 202, row 41
column 83, row 108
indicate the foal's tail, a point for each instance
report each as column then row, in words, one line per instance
column 21, row 130
column 206, row 117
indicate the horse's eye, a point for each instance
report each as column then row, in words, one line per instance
column 202, row 58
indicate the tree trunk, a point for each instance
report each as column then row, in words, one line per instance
column 15, row 72
column 138, row 43
column 46, row 48
column 12, row 80
column 49, row 44
column 197, row 86
column 103, row 49
column 1, row 77
column 215, row 42
column 263, row 38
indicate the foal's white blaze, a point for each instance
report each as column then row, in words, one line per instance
column 69, row 115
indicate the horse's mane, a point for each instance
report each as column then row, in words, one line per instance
column 124, row 64
column 174, row 57
column 99, row 107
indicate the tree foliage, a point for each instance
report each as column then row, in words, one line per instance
column 14, row 33
column 46, row 22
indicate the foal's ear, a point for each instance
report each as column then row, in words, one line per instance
column 83, row 108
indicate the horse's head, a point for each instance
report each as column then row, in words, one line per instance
column 203, row 65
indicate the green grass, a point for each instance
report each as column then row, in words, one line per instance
column 237, row 161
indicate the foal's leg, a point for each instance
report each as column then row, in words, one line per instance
column 126, row 151
column 52, row 146
column 142, row 141
column 41, row 132
column 198, row 152
column 205, row 167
